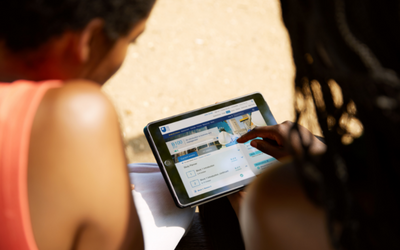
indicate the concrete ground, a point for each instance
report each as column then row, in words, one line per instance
column 196, row 52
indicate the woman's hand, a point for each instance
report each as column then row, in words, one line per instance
column 276, row 141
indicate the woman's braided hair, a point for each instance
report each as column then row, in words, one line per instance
column 347, row 56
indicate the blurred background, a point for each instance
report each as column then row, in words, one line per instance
column 197, row 52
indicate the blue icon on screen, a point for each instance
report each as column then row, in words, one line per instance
column 164, row 129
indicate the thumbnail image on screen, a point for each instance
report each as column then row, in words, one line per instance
column 219, row 135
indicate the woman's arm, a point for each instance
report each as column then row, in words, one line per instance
column 276, row 214
column 79, row 192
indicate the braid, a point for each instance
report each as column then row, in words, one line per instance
column 340, row 78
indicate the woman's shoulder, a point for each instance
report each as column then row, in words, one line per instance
column 77, row 115
column 77, row 99
column 77, row 177
column 277, row 214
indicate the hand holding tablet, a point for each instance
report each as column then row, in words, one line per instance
column 198, row 154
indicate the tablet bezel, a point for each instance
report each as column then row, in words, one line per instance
column 170, row 173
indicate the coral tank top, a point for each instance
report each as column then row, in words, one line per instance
column 18, row 104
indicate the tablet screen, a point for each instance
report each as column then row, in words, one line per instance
column 205, row 152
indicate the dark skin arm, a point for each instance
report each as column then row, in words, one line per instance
column 274, row 212
column 277, row 215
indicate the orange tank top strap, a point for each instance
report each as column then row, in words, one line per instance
column 18, row 104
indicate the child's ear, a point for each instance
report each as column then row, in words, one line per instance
column 91, row 30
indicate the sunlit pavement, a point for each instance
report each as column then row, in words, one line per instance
column 197, row 52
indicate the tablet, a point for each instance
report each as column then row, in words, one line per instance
column 198, row 154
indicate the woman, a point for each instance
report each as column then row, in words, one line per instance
column 63, row 177
column 347, row 197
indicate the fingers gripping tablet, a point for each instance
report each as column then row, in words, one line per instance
column 198, row 154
